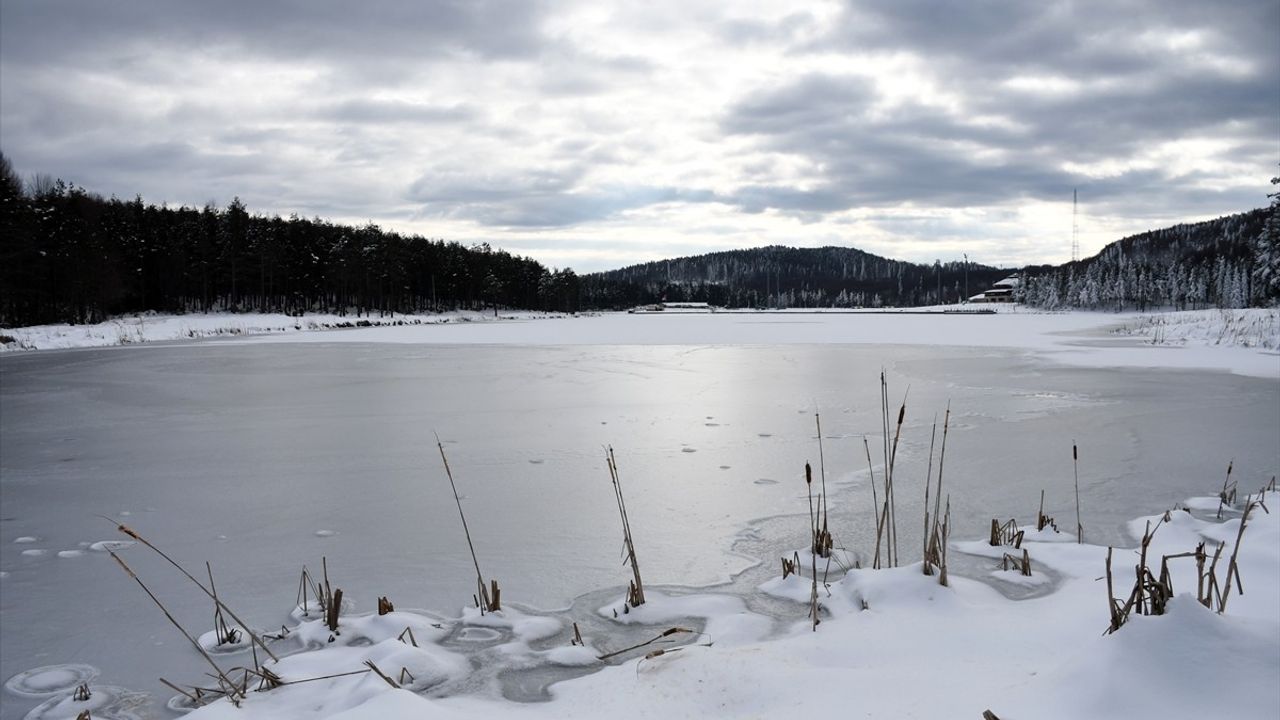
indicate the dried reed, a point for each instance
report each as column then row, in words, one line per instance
column 485, row 600
column 635, row 591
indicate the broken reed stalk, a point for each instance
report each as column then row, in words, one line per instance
column 485, row 601
column 664, row 634
column 382, row 675
column 1006, row 534
column 385, row 606
column 889, row 488
column 821, row 540
column 945, row 541
column 635, row 592
column 1233, row 570
column 941, row 529
column 886, row 521
column 927, row 564
column 1228, row 496
column 875, row 500
column 1022, row 564
column 129, row 571
column 1075, row 468
column 121, row 527
column 225, row 635
column 791, row 566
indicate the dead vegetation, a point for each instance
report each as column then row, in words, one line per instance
column 635, row 591
column 487, row 598
column 1151, row 593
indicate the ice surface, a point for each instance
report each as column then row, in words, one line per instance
column 247, row 449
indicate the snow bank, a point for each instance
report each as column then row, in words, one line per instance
column 893, row 643
column 157, row 327
column 1254, row 328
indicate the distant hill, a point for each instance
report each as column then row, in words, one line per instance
column 782, row 277
column 1217, row 263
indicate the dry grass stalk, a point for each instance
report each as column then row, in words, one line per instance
column 944, row 541
column 1233, row 570
column 821, row 541
column 306, row 584
column 485, row 600
column 335, row 607
column 937, row 535
column 84, row 715
column 130, row 532
column 1044, row 521
column 791, row 566
column 927, row 564
column 382, row 675
column 1150, row 595
column 408, row 631
column 660, row 636
column 222, row 677
column 1022, row 564
column 385, row 606
column 577, row 637
column 225, row 634
column 1075, row 469
column 1006, row 534
column 635, row 590
column 1227, row 497
column 886, row 520
column 82, row 693
column 406, row 676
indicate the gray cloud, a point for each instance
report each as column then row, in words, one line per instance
column 503, row 118
column 1132, row 96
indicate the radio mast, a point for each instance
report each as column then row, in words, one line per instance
column 1075, row 229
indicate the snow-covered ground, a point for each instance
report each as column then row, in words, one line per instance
column 893, row 643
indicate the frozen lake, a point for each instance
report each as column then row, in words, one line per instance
column 263, row 456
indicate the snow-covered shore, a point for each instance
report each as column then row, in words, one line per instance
column 1245, row 342
column 161, row 327
column 893, row 643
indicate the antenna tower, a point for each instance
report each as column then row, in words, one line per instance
column 1075, row 229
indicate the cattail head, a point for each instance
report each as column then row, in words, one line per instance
column 808, row 474
column 902, row 411
column 1075, row 454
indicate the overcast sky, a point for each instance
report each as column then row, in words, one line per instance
column 595, row 134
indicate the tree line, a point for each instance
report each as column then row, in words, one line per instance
column 786, row 277
column 67, row 255
column 1230, row 262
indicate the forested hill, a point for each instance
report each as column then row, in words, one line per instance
column 777, row 276
column 70, row 256
column 1225, row 262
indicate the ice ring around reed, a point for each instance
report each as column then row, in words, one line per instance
column 109, row 545
column 50, row 679
column 106, row 702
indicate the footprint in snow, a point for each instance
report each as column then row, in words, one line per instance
column 325, row 533
column 766, row 481
column 688, row 450
column 25, row 539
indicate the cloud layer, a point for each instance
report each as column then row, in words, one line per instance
column 595, row 135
